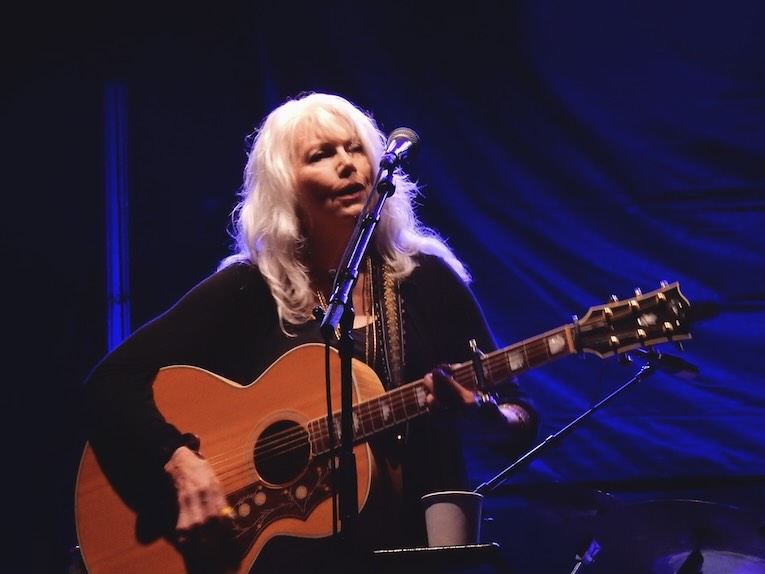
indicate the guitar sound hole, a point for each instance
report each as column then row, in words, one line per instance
column 282, row 452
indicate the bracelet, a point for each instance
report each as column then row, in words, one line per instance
column 521, row 415
column 484, row 406
column 481, row 398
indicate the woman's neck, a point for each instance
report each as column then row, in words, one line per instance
column 324, row 255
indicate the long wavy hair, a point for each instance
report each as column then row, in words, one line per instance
column 266, row 229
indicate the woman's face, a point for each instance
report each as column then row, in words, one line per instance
column 333, row 175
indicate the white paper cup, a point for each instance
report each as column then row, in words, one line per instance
column 453, row 517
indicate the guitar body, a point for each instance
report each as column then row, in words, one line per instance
column 239, row 428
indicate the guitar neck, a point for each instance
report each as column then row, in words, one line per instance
column 408, row 401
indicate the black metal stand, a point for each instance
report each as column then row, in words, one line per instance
column 340, row 313
column 553, row 439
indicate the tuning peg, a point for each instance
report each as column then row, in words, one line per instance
column 663, row 283
column 638, row 291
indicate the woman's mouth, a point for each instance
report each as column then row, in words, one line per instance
column 351, row 190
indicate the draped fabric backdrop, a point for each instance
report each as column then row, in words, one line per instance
column 570, row 152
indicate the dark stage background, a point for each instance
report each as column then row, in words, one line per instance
column 570, row 151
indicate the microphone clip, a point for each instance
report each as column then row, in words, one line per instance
column 671, row 364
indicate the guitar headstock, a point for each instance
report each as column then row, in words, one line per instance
column 645, row 319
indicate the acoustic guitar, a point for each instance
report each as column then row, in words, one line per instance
column 272, row 443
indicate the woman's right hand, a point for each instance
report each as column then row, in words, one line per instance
column 200, row 494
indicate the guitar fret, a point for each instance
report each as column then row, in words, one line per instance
column 387, row 414
column 386, row 411
column 319, row 437
column 418, row 394
column 516, row 360
column 360, row 416
column 313, row 437
column 398, row 406
column 538, row 354
column 377, row 415
column 370, row 414
column 488, row 372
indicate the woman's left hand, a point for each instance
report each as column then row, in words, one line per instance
column 444, row 391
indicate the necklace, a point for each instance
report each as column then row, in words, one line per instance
column 370, row 329
column 323, row 304
column 367, row 301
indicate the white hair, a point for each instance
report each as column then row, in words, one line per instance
column 266, row 228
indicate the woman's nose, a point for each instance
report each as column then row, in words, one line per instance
column 345, row 159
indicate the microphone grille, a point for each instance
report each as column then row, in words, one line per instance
column 405, row 134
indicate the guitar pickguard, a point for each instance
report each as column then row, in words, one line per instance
column 260, row 504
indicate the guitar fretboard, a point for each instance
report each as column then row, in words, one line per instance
column 408, row 401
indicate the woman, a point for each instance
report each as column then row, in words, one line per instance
column 311, row 173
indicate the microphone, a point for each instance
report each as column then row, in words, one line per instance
column 670, row 363
column 401, row 143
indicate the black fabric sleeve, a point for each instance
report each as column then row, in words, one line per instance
column 210, row 326
column 443, row 316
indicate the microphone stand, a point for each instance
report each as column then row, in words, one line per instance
column 340, row 314
column 493, row 483
column 588, row 556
